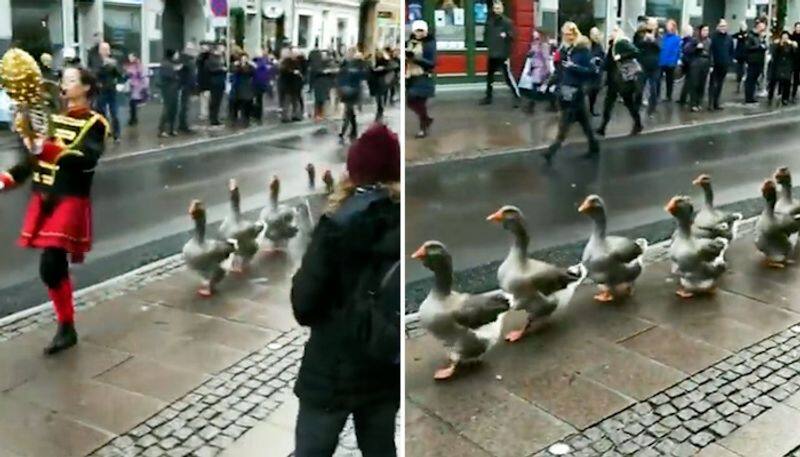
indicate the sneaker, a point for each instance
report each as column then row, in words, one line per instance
column 163, row 135
column 421, row 134
column 695, row 109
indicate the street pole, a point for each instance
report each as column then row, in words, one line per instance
column 228, row 32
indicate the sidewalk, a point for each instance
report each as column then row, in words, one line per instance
column 159, row 372
column 652, row 375
column 463, row 129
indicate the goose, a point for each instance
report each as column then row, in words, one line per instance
column 774, row 231
column 312, row 175
column 711, row 222
column 537, row 287
column 698, row 262
column 785, row 204
column 243, row 231
column 613, row 262
column 305, row 224
column 278, row 219
column 327, row 178
column 204, row 256
column 467, row 325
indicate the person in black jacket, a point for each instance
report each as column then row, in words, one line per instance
column 243, row 74
column 215, row 67
column 349, row 82
column 598, row 60
column 188, row 80
column 781, row 67
column 755, row 50
column 203, row 80
column 796, row 67
column 108, row 74
column 722, row 54
column 576, row 71
column 169, row 80
column 646, row 41
column 420, row 67
column 354, row 243
column 699, row 51
column 740, row 40
column 499, row 36
column 622, row 53
column 378, row 81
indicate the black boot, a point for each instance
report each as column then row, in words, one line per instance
column 485, row 101
column 65, row 338
column 551, row 152
column 637, row 129
column 594, row 151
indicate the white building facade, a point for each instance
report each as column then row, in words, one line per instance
column 149, row 27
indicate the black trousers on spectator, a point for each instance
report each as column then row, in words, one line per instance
column 318, row 429
column 349, row 120
column 572, row 112
column 630, row 98
column 169, row 112
column 668, row 73
column 686, row 84
column 504, row 66
column 740, row 68
column 183, row 109
column 420, row 107
column 698, row 77
column 242, row 111
column 718, row 74
column 795, row 82
column 133, row 105
column 753, row 73
column 783, row 85
column 215, row 103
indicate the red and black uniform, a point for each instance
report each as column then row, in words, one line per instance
column 59, row 215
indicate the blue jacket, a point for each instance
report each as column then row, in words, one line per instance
column 670, row 50
column 576, row 66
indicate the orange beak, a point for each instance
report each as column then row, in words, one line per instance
column 420, row 253
column 697, row 181
column 496, row 216
column 584, row 206
column 671, row 206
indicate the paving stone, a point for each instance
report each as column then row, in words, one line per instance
column 666, row 446
column 739, row 418
column 628, row 448
column 779, row 394
column 752, row 409
column 146, row 441
column 634, row 429
column 658, row 430
column 722, row 428
column 680, row 402
column 727, row 408
column 695, row 425
column 680, row 435
column 716, row 398
column 684, row 449
column 765, row 402
column 702, row 439
column 209, row 432
column 666, row 410
column 710, row 416
column 649, row 419
column 659, row 399
column 686, row 414
column 644, row 440
column 702, row 406
column 602, row 445
column 671, row 422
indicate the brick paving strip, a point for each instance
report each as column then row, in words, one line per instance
column 707, row 383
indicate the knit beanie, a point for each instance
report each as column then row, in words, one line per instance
column 375, row 157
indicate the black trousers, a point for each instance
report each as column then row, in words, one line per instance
column 258, row 104
column 133, row 105
column 630, row 97
column 380, row 100
column 783, row 85
column 795, row 82
column 686, row 84
column 572, row 112
column 242, row 109
column 753, row 73
column 169, row 111
column 349, row 120
column 718, row 74
column 215, row 103
column 504, row 66
column 698, row 77
column 668, row 73
column 318, row 429
column 183, row 109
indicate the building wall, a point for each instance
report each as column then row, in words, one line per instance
column 325, row 19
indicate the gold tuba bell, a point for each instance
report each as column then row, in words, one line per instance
column 34, row 97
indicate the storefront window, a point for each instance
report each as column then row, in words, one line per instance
column 303, row 30
column 37, row 26
column 122, row 29
column 664, row 9
column 449, row 19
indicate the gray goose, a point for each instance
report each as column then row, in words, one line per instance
column 774, row 231
column 537, row 287
column 613, row 262
column 278, row 219
column 711, row 222
column 698, row 262
column 243, row 231
column 786, row 204
column 467, row 325
column 312, row 175
column 327, row 178
column 204, row 256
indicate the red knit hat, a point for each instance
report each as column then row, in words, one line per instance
column 375, row 157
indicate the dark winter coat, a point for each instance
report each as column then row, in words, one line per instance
column 336, row 371
column 782, row 61
column 740, row 48
column 168, row 77
column 215, row 67
column 627, row 52
column 203, row 77
column 576, row 65
column 243, row 81
column 722, row 51
column 755, row 48
column 498, row 36
column 420, row 65
column 352, row 74
column 598, row 62
column 322, row 76
column 796, row 38
column 377, row 77
column 188, row 73
column 649, row 51
column 108, row 75
column 699, row 50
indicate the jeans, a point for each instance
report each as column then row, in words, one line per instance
column 107, row 104
column 318, row 429
column 668, row 73
column 652, row 79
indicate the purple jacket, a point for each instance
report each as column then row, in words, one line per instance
column 137, row 79
column 266, row 70
column 540, row 62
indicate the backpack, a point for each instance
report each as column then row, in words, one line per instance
column 376, row 313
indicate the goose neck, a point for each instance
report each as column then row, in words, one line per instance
column 709, row 194
column 200, row 228
column 443, row 278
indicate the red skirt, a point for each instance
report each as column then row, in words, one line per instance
column 68, row 226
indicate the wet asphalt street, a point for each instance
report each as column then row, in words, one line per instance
column 141, row 203
column 449, row 201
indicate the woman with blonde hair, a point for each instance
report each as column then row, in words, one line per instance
column 347, row 292
column 598, row 56
column 576, row 71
